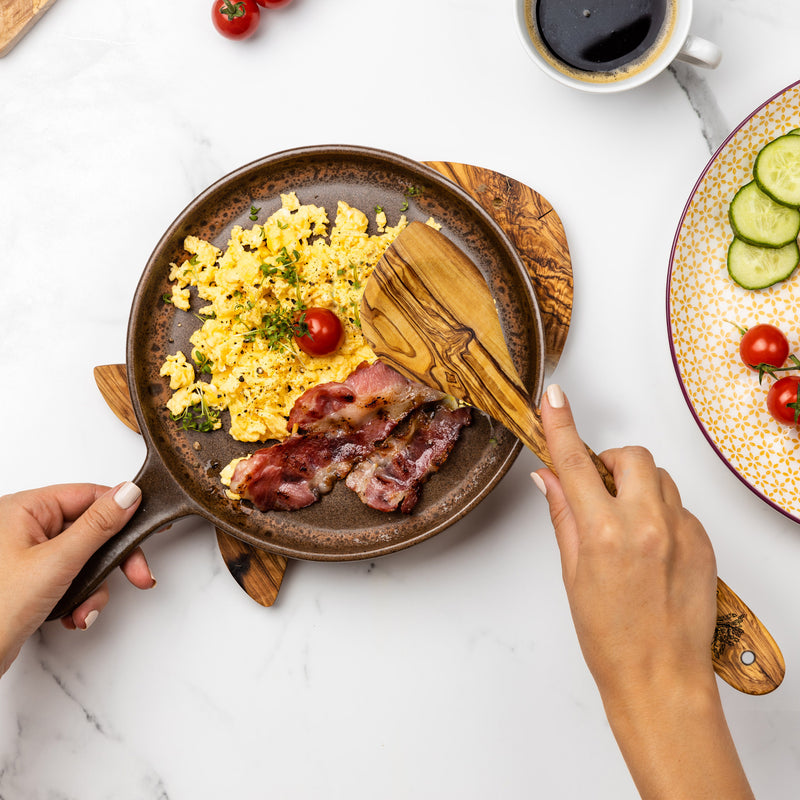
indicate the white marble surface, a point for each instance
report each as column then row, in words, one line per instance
column 450, row 669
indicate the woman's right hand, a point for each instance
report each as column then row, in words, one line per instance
column 640, row 576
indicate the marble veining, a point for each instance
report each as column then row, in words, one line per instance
column 448, row 670
column 715, row 127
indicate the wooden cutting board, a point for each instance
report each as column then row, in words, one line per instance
column 17, row 17
column 536, row 232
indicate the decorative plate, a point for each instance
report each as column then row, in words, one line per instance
column 704, row 305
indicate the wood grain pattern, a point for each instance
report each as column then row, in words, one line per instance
column 744, row 652
column 112, row 381
column 538, row 236
column 258, row 572
column 17, row 17
column 446, row 333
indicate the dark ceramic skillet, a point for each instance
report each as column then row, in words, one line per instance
column 180, row 476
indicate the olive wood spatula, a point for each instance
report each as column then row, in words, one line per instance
column 428, row 312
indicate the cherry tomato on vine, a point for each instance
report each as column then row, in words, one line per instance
column 782, row 400
column 764, row 344
column 325, row 332
column 273, row 3
column 236, row 19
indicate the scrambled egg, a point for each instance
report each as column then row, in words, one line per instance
column 240, row 361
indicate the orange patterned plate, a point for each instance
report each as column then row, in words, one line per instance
column 702, row 302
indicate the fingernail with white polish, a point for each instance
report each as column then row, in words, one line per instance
column 555, row 396
column 539, row 483
column 127, row 495
column 90, row 618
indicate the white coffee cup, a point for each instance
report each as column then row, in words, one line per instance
column 675, row 42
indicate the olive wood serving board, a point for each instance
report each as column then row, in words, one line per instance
column 536, row 232
column 538, row 236
column 17, row 17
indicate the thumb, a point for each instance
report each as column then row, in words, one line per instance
column 101, row 520
column 563, row 521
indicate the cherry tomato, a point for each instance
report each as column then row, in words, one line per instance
column 325, row 332
column 763, row 344
column 782, row 400
column 273, row 3
column 236, row 19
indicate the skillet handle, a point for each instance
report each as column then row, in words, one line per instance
column 162, row 502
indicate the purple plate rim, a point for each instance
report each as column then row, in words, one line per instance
column 674, row 357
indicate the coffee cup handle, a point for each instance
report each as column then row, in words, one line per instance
column 700, row 52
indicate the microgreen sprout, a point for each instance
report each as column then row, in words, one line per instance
column 198, row 417
column 204, row 363
column 278, row 326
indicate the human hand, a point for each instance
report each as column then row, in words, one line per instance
column 638, row 568
column 640, row 576
column 46, row 536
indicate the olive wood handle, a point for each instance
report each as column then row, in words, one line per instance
column 158, row 508
column 516, row 414
column 743, row 651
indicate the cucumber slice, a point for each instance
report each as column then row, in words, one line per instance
column 777, row 169
column 757, row 219
column 758, row 267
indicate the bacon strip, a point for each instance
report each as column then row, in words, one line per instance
column 370, row 391
column 392, row 476
column 296, row 472
column 335, row 426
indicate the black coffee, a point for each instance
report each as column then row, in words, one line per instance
column 600, row 35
